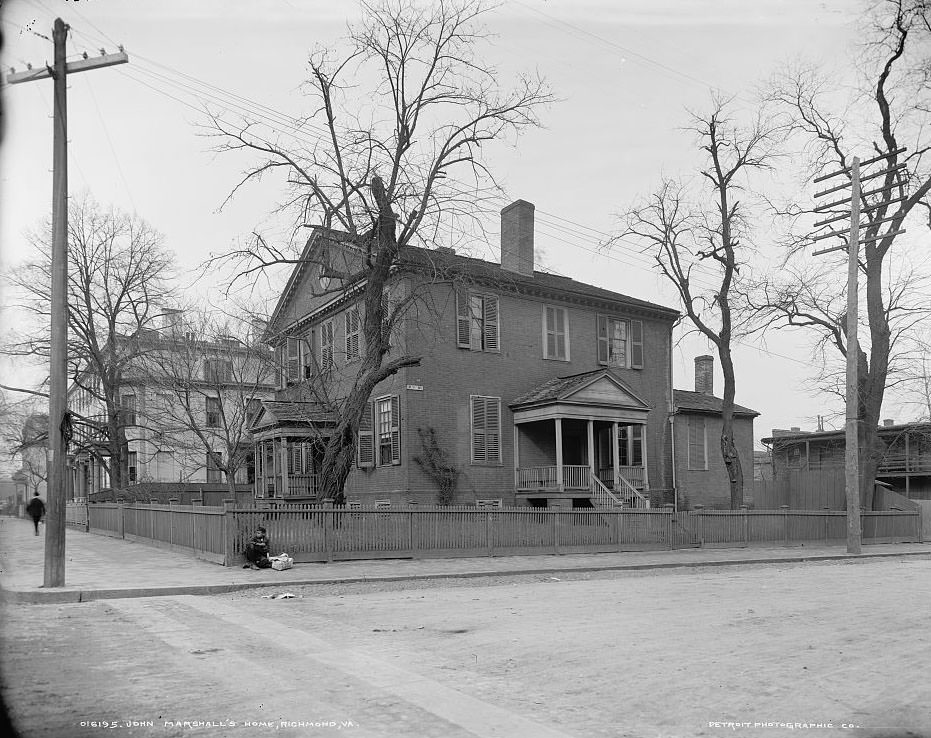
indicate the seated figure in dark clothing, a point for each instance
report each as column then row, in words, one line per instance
column 257, row 550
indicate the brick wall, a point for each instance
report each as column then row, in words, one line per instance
column 710, row 487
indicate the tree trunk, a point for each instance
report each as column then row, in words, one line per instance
column 729, row 452
column 872, row 380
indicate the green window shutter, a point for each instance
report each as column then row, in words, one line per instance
column 478, row 429
column 492, row 429
column 636, row 344
column 463, row 321
column 395, row 429
column 366, row 447
column 602, row 339
column 294, row 360
column 490, row 323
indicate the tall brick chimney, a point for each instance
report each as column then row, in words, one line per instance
column 517, row 237
column 704, row 374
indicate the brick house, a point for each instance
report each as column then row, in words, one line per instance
column 701, row 477
column 541, row 390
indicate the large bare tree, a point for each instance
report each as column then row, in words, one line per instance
column 888, row 111
column 700, row 235
column 408, row 106
column 118, row 277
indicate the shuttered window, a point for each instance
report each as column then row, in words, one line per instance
column 477, row 322
column 294, row 360
column 620, row 342
column 555, row 333
column 307, row 354
column 326, row 345
column 352, row 333
column 486, row 430
column 698, row 451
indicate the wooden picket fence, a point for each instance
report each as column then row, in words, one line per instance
column 313, row 533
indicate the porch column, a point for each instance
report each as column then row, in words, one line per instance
column 516, row 457
column 258, row 481
column 559, row 480
column 284, row 467
column 616, row 457
column 591, row 450
column 643, row 451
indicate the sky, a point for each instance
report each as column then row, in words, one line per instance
column 625, row 72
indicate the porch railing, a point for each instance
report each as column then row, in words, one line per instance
column 545, row 477
column 302, row 485
column 633, row 474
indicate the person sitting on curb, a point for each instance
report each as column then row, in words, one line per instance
column 257, row 551
column 36, row 509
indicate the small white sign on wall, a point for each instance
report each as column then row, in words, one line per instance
column 416, row 387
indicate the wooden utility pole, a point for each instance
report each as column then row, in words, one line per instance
column 852, row 469
column 58, row 369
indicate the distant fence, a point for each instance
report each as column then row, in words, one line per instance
column 801, row 489
column 313, row 533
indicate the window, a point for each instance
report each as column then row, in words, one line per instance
column 486, row 430
column 218, row 370
column 794, row 457
column 477, row 322
column 293, row 367
column 352, row 333
column 131, row 466
column 128, row 406
column 386, row 419
column 307, row 354
column 326, row 345
column 698, row 450
column 213, row 412
column 620, row 342
column 555, row 333
column 214, row 459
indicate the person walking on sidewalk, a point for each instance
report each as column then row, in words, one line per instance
column 36, row 509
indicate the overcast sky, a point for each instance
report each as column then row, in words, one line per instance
column 624, row 70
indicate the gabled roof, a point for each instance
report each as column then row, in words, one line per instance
column 291, row 412
column 573, row 386
column 445, row 264
column 701, row 402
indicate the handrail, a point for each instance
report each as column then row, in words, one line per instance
column 641, row 499
column 599, row 490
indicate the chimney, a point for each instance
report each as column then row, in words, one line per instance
column 171, row 319
column 517, row 237
column 888, row 421
column 795, row 429
column 704, row 374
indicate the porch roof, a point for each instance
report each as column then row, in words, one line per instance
column 278, row 413
column 598, row 394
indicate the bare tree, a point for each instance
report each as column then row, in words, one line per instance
column 377, row 174
column 888, row 111
column 118, row 276
column 700, row 237
column 208, row 378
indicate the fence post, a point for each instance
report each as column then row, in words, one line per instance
column 327, row 540
column 668, row 508
column 410, row 531
column 227, row 534
column 698, row 511
column 745, row 511
column 488, row 545
column 121, row 509
column 617, row 528
column 555, row 515
column 785, row 524
column 87, row 518
column 919, row 514
column 827, row 523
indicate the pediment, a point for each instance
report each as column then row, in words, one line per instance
column 604, row 390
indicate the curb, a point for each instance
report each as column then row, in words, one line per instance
column 71, row 596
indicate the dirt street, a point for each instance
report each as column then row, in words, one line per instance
column 765, row 650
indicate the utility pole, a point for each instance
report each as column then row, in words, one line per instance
column 58, row 369
column 852, row 468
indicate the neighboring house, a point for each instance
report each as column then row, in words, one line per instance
column 539, row 389
column 33, row 454
column 701, row 477
column 163, row 445
column 905, row 464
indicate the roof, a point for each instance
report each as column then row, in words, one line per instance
column 284, row 412
column 560, row 388
column 701, row 402
column 445, row 264
column 831, row 435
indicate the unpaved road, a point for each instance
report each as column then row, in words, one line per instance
column 774, row 650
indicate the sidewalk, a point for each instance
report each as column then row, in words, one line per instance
column 99, row 567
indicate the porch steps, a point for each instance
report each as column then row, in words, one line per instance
column 604, row 497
